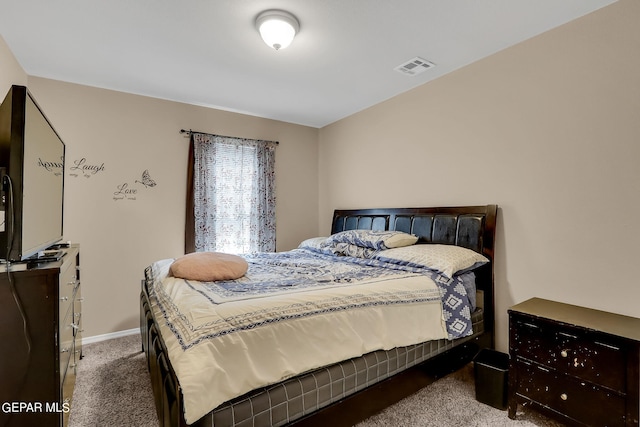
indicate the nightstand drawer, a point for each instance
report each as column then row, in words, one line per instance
column 588, row 356
column 576, row 399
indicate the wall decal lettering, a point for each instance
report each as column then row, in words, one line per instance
column 124, row 192
column 53, row 167
column 82, row 168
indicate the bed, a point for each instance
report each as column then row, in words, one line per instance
column 363, row 364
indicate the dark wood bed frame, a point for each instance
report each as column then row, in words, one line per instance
column 472, row 227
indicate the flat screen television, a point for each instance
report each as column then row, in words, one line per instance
column 32, row 169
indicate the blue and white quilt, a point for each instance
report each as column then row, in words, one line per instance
column 302, row 270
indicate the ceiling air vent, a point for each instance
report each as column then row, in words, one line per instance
column 415, row 66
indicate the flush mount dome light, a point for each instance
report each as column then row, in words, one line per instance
column 277, row 28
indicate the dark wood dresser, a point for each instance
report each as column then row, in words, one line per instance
column 578, row 365
column 40, row 332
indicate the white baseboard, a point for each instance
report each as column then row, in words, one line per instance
column 104, row 337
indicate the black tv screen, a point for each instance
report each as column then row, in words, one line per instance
column 32, row 158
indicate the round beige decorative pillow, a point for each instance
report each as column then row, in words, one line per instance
column 209, row 266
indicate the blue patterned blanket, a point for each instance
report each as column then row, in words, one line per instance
column 301, row 270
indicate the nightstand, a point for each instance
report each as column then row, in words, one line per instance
column 578, row 365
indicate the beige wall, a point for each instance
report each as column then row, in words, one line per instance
column 121, row 135
column 549, row 130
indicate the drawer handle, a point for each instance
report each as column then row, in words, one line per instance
column 612, row 347
column 64, row 299
column 71, row 283
column 564, row 353
column 76, row 327
column 80, row 299
column 64, row 350
column 564, row 396
column 531, row 325
column 567, row 335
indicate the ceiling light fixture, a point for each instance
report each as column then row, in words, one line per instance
column 277, row 28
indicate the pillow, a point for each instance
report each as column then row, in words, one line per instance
column 373, row 239
column 446, row 259
column 209, row 266
column 314, row 243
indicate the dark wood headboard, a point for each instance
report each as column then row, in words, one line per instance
column 472, row 227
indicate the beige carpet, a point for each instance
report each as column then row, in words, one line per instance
column 450, row 401
column 113, row 389
column 113, row 386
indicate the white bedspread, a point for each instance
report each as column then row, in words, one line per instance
column 222, row 350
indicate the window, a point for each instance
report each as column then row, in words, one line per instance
column 232, row 195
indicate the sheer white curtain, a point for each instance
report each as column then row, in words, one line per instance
column 233, row 194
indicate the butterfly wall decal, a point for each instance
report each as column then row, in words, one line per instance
column 146, row 179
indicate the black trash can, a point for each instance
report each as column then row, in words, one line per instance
column 491, row 369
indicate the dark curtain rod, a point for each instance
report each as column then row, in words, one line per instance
column 189, row 132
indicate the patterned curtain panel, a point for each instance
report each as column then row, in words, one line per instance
column 233, row 194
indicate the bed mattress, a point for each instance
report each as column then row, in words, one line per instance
column 281, row 403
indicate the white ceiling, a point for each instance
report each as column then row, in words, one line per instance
column 208, row 52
